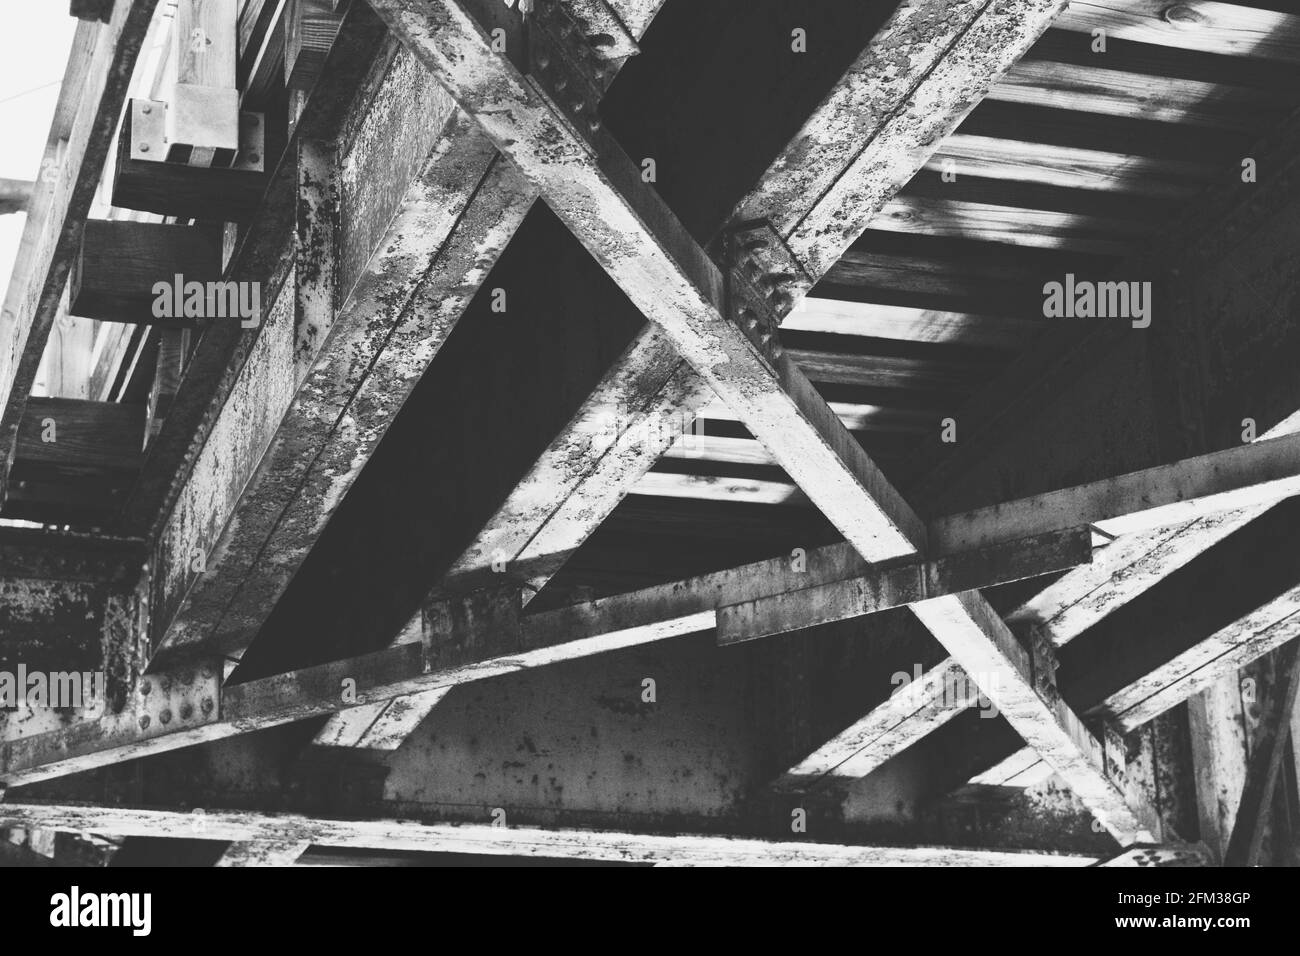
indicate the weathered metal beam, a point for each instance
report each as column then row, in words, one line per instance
column 723, row 328
column 1222, row 653
column 468, row 644
column 1255, row 474
column 916, row 80
column 914, row 711
column 676, row 849
column 417, row 229
column 263, row 853
column 1268, row 751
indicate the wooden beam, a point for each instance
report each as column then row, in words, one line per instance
column 53, row 229
column 120, row 261
column 1091, row 89
column 72, row 438
column 311, row 26
column 15, row 195
column 201, row 121
column 487, row 840
column 101, row 10
column 1205, row 25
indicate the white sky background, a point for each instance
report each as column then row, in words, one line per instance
column 34, row 48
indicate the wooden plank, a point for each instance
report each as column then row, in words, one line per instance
column 66, row 365
column 72, row 437
column 1071, row 167
column 838, row 317
column 755, row 491
column 1262, row 472
column 1036, row 228
column 311, row 27
column 202, row 117
column 1091, row 89
column 488, row 840
column 882, row 371
column 1205, row 25
column 53, row 234
column 120, row 262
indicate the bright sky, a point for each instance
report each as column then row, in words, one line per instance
column 33, row 53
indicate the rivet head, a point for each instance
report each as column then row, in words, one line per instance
column 144, row 147
column 145, row 688
column 543, row 60
column 253, row 157
column 165, row 716
column 146, row 109
column 144, row 722
column 561, row 83
column 207, row 705
column 187, row 711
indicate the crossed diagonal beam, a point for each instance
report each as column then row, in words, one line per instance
column 768, row 392
column 926, row 67
column 595, row 189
